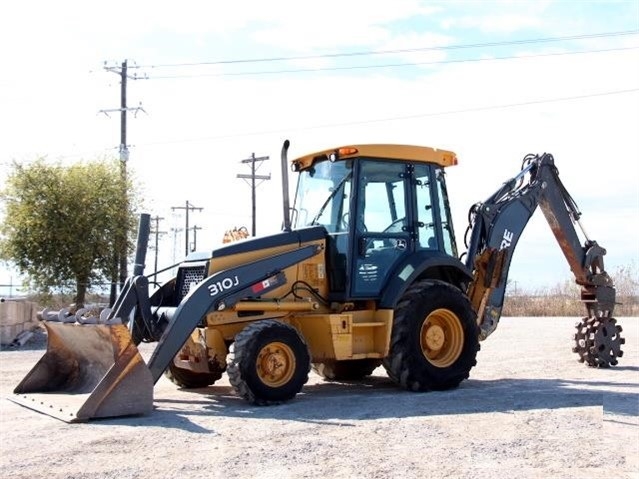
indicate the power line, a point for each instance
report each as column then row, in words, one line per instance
column 484, row 108
column 395, row 51
column 399, row 118
column 379, row 120
column 387, row 65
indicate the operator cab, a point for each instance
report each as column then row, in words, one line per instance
column 379, row 204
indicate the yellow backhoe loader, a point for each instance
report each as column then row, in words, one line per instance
column 365, row 273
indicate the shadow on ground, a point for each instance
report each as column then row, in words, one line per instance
column 378, row 398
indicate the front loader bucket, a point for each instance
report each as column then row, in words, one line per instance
column 88, row 371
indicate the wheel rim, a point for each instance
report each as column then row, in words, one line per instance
column 442, row 338
column 275, row 364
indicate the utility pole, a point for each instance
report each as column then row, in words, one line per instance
column 195, row 228
column 120, row 256
column 253, row 176
column 124, row 149
column 156, row 231
column 187, row 208
column 175, row 232
column 124, row 158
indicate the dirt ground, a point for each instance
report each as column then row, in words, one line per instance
column 529, row 410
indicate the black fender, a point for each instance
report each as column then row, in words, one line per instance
column 414, row 267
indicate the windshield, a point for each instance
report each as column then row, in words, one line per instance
column 323, row 195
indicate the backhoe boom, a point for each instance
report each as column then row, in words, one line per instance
column 497, row 224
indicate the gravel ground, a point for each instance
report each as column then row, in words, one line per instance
column 529, row 410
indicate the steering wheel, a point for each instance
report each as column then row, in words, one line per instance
column 392, row 228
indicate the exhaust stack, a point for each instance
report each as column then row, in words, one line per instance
column 286, row 202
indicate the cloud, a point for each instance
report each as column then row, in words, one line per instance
column 333, row 24
column 498, row 16
column 500, row 23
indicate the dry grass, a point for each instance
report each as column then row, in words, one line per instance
column 549, row 304
column 563, row 298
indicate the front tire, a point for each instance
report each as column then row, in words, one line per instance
column 268, row 362
column 187, row 379
column 435, row 338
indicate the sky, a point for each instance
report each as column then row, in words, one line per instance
column 219, row 81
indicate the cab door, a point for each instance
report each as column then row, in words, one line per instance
column 383, row 228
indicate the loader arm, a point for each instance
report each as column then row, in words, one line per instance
column 497, row 224
column 220, row 291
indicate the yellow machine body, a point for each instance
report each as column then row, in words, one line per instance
column 330, row 335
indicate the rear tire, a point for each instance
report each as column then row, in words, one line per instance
column 435, row 338
column 187, row 379
column 268, row 362
column 347, row 370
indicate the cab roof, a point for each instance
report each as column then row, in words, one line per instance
column 420, row 154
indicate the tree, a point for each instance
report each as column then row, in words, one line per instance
column 61, row 222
